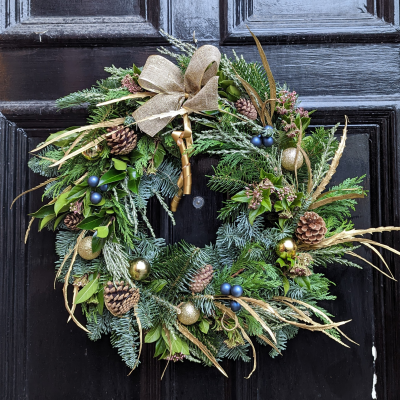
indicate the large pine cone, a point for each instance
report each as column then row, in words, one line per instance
column 311, row 228
column 246, row 108
column 121, row 298
column 202, row 279
column 122, row 141
column 72, row 220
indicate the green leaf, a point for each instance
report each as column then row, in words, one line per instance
column 66, row 140
column 278, row 206
column 135, row 156
column 204, row 326
column 241, row 197
column 160, row 347
column 267, row 203
column 159, row 155
column 111, row 176
column 97, row 243
column 59, row 219
column 61, row 202
column 77, row 192
column 45, row 221
column 253, row 214
column 119, row 165
column 87, row 291
column 286, row 285
column 44, row 211
column 176, row 344
column 102, row 231
column 303, row 281
column 100, row 298
column 134, row 180
column 281, row 262
column 91, row 222
column 157, row 285
column 233, row 90
column 185, row 348
column 226, row 83
column 153, row 334
column 136, row 70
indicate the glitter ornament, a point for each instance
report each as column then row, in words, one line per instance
column 286, row 248
column 139, row 269
column 85, row 249
column 189, row 314
column 289, row 160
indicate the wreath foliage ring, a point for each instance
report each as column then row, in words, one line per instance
column 281, row 219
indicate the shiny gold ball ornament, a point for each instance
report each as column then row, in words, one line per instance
column 286, row 248
column 289, row 159
column 85, row 249
column 139, row 269
column 94, row 152
column 189, row 314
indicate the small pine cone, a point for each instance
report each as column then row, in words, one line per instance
column 246, row 108
column 120, row 298
column 202, row 279
column 72, row 220
column 129, row 83
column 311, row 228
column 122, row 141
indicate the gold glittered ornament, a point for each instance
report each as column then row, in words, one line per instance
column 189, row 314
column 289, row 159
column 139, row 269
column 286, row 248
column 85, row 249
column 94, row 152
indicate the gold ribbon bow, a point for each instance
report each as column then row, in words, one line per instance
column 196, row 91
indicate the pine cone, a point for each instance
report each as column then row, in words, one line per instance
column 311, row 228
column 129, row 83
column 246, row 108
column 72, row 220
column 202, row 279
column 122, row 141
column 120, row 299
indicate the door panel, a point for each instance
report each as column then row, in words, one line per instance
column 342, row 60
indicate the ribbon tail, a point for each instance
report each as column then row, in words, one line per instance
column 177, row 198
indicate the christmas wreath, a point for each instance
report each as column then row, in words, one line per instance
column 280, row 219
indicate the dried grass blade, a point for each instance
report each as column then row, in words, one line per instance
column 129, row 96
column 368, row 262
column 380, row 256
column 308, row 163
column 334, row 164
column 336, row 198
column 28, row 229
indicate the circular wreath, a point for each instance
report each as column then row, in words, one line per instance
column 280, row 220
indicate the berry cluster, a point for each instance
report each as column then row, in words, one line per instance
column 235, row 291
column 96, row 197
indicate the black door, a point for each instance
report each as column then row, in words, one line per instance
column 341, row 57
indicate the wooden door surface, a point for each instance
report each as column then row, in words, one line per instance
column 341, row 57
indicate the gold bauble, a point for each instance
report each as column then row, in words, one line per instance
column 139, row 269
column 189, row 314
column 289, row 157
column 85, row 249
column 286, row 248
column 94, row 152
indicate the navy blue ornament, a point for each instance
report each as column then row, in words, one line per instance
column 268, row 130
column 235, row 306
column 268, row 141
column 256, row 141
column 93, row 181
column 103, row 188
column 236, row 291
column 95, row 197
column 226, row 288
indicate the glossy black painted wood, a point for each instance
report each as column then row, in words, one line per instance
column 347, row 66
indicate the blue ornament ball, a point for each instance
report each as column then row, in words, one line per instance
column 256, row 141
column 236, row 291
column 268, row 141
column 103, row 188
column 93, row 181
column 235, row 306
column 226, row 288
column 268, row 130
column 95, row 197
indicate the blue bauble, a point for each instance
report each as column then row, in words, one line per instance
column 226, row 288
column 235, row 306
column 95, row 197
column 256, row 141
column 268, row 141
column 103, row 188
column 236, row 291
column 268, row 130
column 93, row 181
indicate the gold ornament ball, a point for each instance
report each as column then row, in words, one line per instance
column 289, row 157
column 286, row 248
column 189, row 314
column 139, row 269
column 94, row 152
column 85, row 249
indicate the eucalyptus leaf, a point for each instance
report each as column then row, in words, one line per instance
column 44, row 211
column 153, row 334
column 87, row 291
column 91, row 222
column 45, row 221
column 102, row 231
column 204, row 326
column 241, row 197
column 160, row 347
column 97, row 243
column 59, row 219
column 286, row 285
column 61, row 202
column 111, row 176
column 119, row 165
